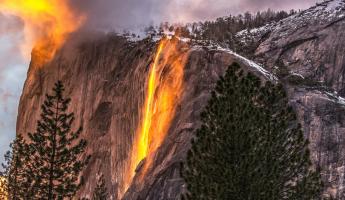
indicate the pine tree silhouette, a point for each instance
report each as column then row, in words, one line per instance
column 15, row 175
column 56, row 151
column 3, row 188
column 100, row 192
column 250, row 145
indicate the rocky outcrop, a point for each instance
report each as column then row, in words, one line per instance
column 106, row 79
column 310, row 44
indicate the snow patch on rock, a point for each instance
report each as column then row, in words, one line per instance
column 335, row 98
column 250, row 63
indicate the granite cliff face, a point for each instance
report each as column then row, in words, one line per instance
column 107, row 79
column 307, row 52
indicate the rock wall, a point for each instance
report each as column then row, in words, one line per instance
column 107, row 79
column 307, row 52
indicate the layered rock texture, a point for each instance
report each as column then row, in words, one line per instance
column 107, row 78
column 307, row 52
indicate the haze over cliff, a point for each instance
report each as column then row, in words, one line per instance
column 108, row 78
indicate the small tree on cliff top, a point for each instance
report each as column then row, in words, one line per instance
column 56, row 150
column 250, row 145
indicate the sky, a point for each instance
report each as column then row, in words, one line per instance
column 109, row 15
column 13, row 69
column 132, row 13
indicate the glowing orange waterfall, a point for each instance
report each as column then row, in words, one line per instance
column 163, row 95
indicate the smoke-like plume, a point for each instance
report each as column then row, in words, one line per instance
column 46, row 24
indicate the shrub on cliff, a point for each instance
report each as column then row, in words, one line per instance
column 101, row 191
column 250, row 145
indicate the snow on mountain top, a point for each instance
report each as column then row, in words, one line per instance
column 322, row 13
column 334, row 5
column 327, row 10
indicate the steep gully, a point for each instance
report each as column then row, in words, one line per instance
column 164, row 90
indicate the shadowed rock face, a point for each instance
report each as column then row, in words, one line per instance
column 308, row 53
column 107, row 79
column 323, row 121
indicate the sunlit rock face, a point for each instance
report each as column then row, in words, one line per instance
column 108, row 79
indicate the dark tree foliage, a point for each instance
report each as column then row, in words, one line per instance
column 56, row 151
column 250, row 145
column 16, row 176
column 3, row 188
column 101, row 191
column 221, row 29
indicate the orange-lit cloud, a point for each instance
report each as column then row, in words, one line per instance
column 46, row 24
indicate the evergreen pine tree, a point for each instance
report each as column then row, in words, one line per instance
column 100, row 192
column 56, row 150
column 3, row 176
column 3, row 188
column 250, row 145
column 14, row 174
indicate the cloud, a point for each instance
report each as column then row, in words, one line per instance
column 196, row 10
column 10, row 24
column 12, row 75
column 119, row 14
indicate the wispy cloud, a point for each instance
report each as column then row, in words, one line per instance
column 12, row 75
